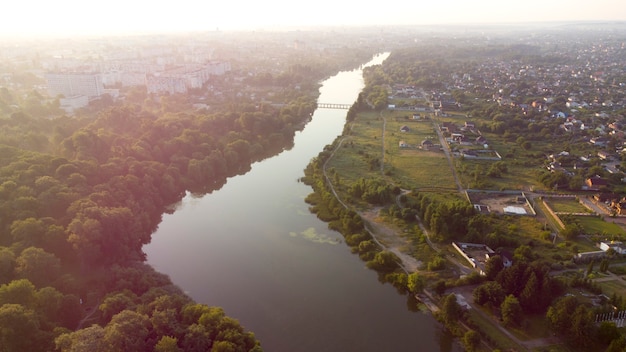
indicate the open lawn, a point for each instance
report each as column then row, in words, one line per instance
column 594, row 225
column 412, row 166
column 409, row 167
column 420, row 169
column 566, row 205
column 359, row 151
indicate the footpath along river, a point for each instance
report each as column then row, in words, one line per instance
column 253, row 248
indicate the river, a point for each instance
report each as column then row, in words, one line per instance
column 253, row 248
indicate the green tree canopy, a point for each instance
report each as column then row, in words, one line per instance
column 416, row 282
column 38, row 266
column 20, row 329
column 511, row 311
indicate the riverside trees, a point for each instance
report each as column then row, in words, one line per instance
column 95, row 208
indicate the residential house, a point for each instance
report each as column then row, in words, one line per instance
column 405, row 128
column 616, row 125
column 619, row 206
column 599, row 141
column 507, row 258
column 604, row 155
column 595, row 183
column 555, row 166
column 462, row 140
column 606, row 197
column 448, row 127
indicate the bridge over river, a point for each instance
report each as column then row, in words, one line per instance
column 333, row 106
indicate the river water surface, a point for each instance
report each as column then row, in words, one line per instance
column 254, row 249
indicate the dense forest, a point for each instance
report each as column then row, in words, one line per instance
column 75, row 224
column 80, row 196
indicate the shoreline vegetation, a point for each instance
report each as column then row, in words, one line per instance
column 82, row 195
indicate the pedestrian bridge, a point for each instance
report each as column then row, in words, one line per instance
column 333, row 106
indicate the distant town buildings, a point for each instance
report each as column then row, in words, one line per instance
column 184, row 78
column 78, row 88
column 73, row 84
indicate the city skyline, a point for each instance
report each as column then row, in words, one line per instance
column 74, row 18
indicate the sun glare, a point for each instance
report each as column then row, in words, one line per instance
column 73, row 17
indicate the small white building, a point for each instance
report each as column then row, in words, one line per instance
column 617, row 246
column 513, row 210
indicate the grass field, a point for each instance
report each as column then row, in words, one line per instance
column 594, row 225
column 414, row 167
column 408, row 167
column 353, row 159
column 566, row 205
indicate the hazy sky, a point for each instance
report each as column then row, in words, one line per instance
column 87, row 17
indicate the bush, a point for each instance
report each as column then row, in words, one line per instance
column 437, row 263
